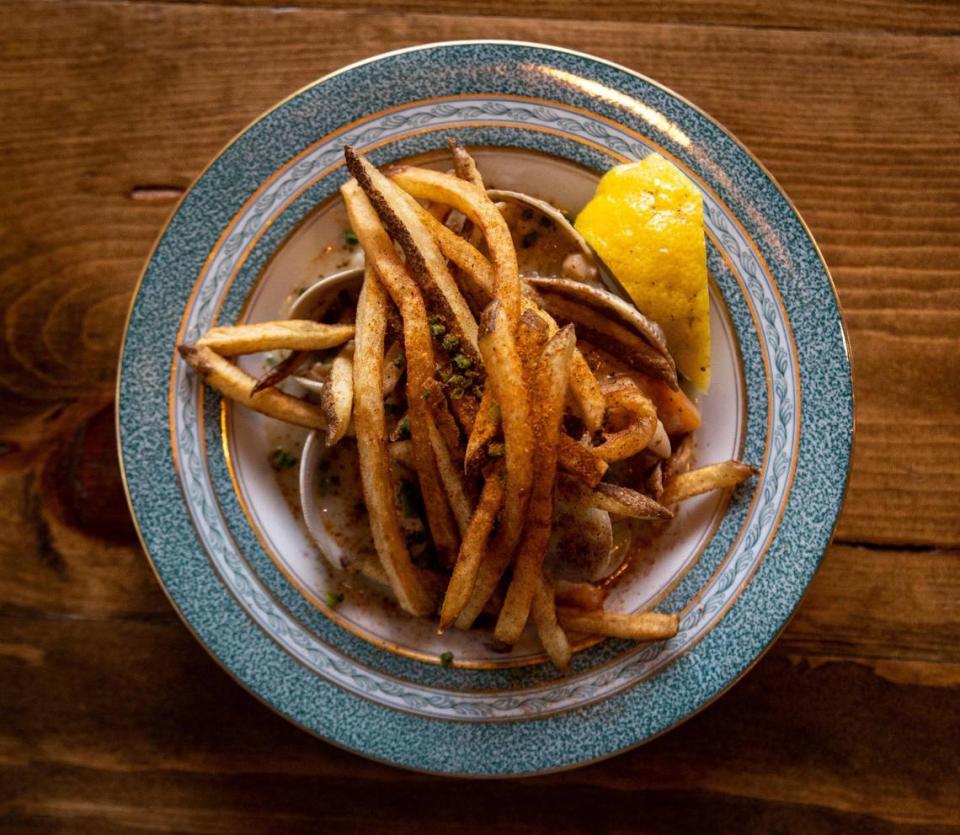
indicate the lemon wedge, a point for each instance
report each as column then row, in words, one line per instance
column 646, row 222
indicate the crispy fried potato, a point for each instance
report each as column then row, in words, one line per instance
column 336, row 400
column 423, row 257
column 622, row 393
column 551, row 634
column 371, row 432
column 474, row 203
column 486, row 425
column 614, row 499
column 492, row 567
column 611, row 336
column 418, row 350
column 552, row 377
column 451, row 476
column 472, row 550
column 393, row 365
column 293, row 334
column 505, row 376
column 705, row 479
column 459, row 250
column 283, row 369
column 402, row 453
column 680, row 460
column 585, row 596
column 576, row 459
column 439, row 410
column 231, row 382
column 584, row 386
column 464, row 164
column 642, row 626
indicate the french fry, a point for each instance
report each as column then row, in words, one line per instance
column 486, row 425
column 283, row 369
column 704, row 479
column 461, row 252
column 392, row 368
column 293, row 334
column 472, row 550
column 370, row 426
column 505, row 376
column 584, row 596
column 584, row 386
column 451, row 476
column 622, row 501
column 614, row 499
column 622, row 393
column 494, row 564
column 586, row 393
column 336, row 400
column 549, row 390
column 418, row 350
column 551, row 634
column 474, row 203
column 680, row 460
column 402, row 453
column 576, row 459
column 423, row 257
column 235, row 384
column 440, row 412
column 464, row 164
column 611, row 336
column 642, row 626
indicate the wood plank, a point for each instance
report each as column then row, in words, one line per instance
column 912, row 16
column 862, row 138
column 175, row 745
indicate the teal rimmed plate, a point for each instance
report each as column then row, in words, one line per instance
column 244, row 573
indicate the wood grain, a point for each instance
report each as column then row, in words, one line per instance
column 912, row 16
column 113, row 719
column 882, row 198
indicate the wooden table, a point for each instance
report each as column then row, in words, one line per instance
column 112, row 718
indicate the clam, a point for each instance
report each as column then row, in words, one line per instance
column 314, row 301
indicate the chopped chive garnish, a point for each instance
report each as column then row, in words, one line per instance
column 403, row 429
column 351, row 237
column 333, row 599
column 462, row 362
column 280, row 459
column 457, row 381
column 456, row 393
column 446, row 659
column 450, row 343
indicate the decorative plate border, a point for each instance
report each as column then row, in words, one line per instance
column 190, row 449
column 763, row 607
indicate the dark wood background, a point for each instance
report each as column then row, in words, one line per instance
column 113, row 719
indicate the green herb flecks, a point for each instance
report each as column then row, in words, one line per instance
column 446, row 659
column 280, row 459
column 333, row 599
column 350, row 238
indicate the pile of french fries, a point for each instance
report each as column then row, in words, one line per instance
column 491, row 384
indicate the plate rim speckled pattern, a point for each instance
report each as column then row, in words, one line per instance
column 540, row 52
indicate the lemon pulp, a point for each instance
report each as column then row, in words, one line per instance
column 646, row 222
